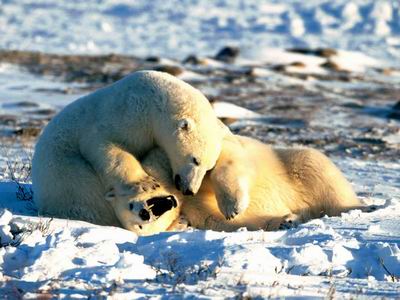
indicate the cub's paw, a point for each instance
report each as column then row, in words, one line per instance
column 289, row 221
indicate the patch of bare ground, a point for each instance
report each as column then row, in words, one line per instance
column 341, row 113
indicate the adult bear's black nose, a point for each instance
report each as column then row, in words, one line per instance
column 178, row 182
column 188, row 193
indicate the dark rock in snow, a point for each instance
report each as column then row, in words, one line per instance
column 171, row 69
column 228, row 54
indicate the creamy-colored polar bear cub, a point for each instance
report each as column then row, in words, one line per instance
column 93, row 145
column 286, row 186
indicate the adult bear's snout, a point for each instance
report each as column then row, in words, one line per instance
column 187, row 193
column 178, row 185
column 178, row 182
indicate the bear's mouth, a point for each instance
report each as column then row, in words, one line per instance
column 157, row 206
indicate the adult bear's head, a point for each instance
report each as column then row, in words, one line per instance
column 186, row 128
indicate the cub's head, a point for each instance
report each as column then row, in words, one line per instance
column 144, row 213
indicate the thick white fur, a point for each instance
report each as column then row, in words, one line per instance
column 285, row 186
column 94, row 144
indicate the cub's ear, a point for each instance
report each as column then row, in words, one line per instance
column 185, row 124
column 110, row 195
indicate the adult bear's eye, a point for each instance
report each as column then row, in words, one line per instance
column 196, row 161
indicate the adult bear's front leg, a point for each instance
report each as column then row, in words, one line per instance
column 118, row 169
column 230, row 179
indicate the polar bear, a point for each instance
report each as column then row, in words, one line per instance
column 94, row 145
column 286, row 187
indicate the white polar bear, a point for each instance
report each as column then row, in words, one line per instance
column 93, row 145
column 286, row 186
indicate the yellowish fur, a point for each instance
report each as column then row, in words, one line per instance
column 283, row 185
column 94, row 144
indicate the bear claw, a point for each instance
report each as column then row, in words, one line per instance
column 148, row 183
column 231, row 207
column 289, row 222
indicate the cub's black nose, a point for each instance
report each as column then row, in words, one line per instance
column 144, row 214
column 178, row 182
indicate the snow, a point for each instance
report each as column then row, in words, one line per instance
column 199, row 26
column 229, row 110
column 355, row 254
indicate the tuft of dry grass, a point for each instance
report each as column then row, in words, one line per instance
column 19, row 168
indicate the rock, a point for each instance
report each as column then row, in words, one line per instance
column 298, row 64
column 44, row 112
column 280, row 68
column 332, row 66
column 8, row 119
column 227, row 54
column 22, row 104
column 387, row 71
column 171, row 69
column 194, row 60
column 228, row 121
column 323, row 52
column 153, row 59
column 394, row 115
column 28, row 131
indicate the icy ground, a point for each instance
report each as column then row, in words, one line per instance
column 356, row 255
column 177, row 28
column 290, row 99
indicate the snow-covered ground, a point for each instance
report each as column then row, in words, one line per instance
column 177, row 28
column 355, row 255
column 346, row 109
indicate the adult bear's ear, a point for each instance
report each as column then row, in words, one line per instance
column 110, row 195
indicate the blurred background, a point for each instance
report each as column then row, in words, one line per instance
column 175, row 29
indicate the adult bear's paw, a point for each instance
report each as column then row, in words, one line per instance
column 147, row 185
column 232, row 202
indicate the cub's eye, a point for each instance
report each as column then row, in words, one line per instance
column 131, row 206
column 196, row 161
